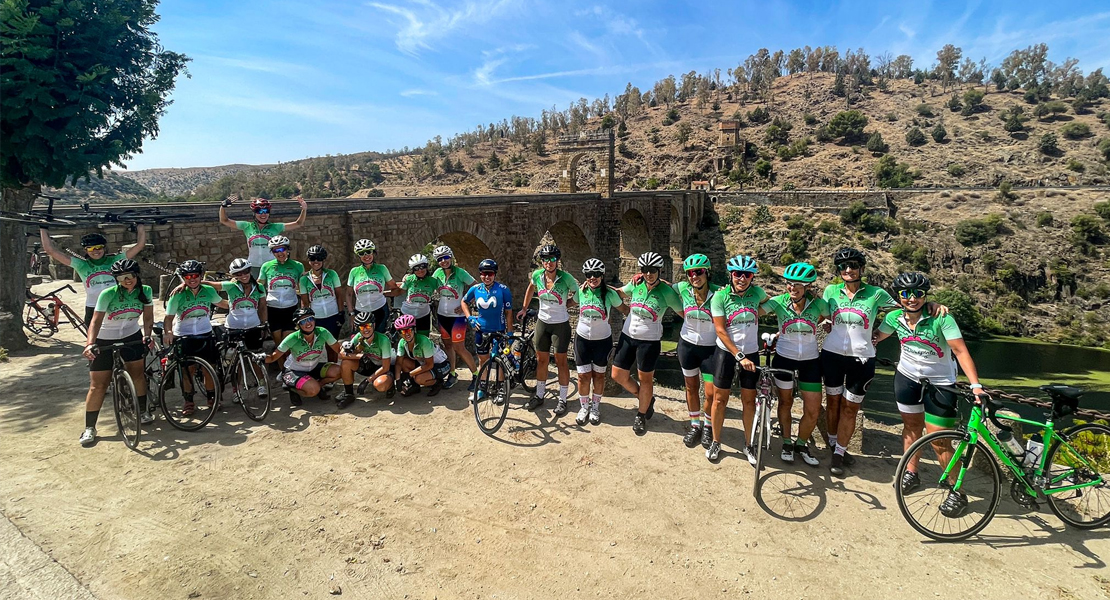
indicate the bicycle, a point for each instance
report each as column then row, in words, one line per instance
column 38, row 262
column 125, row 401
column 512, row 362
column 766, row 400
column 1073, row 475
column 240, row 367
column 42, row 314
column 38, row 218
column 196, row 370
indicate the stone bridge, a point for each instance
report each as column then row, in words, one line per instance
column 506, row 228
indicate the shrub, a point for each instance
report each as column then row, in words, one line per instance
column 1075, row 131
column 924, row 110
column 1104, row 148
column 759, row 115
column 608, row 121
column 963, row 309
column 1052, row 109
column 891, row 174
column 1087, row 229
column 651, row 183
column 972, row 232
column 778, row 132
column 954, row 103
column 1075, row 165
column 891, row 117
column 910, row 254
column 939, row 133
column 829, row 227
column 1005, row 191
column 849, row 125
column 956, row 170
column 1102, row 209
column 822, row 134
column 809, row 118
column 1044, row 219
column 876, row 144
column 480, row 168
column 1014, row 120
column 762, row 215
column 973, row 100
column 914, row 137
column 763, row 168
column 1047, row 144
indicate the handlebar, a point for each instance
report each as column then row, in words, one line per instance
column 35, row 296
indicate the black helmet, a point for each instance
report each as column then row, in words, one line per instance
column 93, row 239
column 549, row 251
column 125, row 265
column 847, row 254
column 487, row 265
column 301, row 313
column 364, row 318
column 191, row 266
column 317, row 252
column 911, row 281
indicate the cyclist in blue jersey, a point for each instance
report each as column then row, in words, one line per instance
column 492, row 310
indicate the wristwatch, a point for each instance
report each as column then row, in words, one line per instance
column 976, row 386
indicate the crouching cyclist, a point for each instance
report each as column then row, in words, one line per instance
column 419, row 361
column 306, row 368
column 369, row 354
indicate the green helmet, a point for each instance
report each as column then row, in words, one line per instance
column 695, row 261
column 800, row 271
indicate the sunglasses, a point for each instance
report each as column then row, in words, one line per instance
column 279, row 249
column 649, row 271
column 94, row 248
column 407, row 330
column 315, row 260
column 366, row 326
column 191, row 276
column 262, row 211
column 695, row 272
column 443, row 258
column 908, row 294
column 742, row 275
column 420, row 268
column 125, row 277
column 595, row 274
column 306, row 320
column 490, row 273
column 848, row 265
column 549, row 259
column 365, row 252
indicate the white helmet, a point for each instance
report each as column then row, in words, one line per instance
column 417, row 260
column 593, row 265
column 442, row 251
column 650, row 259
column 278, row 241
column 363, row 245
column 238, row 266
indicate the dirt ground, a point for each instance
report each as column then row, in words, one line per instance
column 407, row 498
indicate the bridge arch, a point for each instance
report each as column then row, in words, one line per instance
column 467, row 240
column 573, row 244
column 677, row 244
column 635, row 240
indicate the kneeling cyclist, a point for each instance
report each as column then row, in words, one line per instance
column 419, row 361
column 189, row 317
column 306, row 368
column 369, row 354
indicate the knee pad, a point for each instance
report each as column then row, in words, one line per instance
column 854, row 398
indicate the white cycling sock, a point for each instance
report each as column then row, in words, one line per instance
column 706, row 420
column 840, row 449
column 695, row 416
column 597, row 399
column 563, row 392
column 832, row 441
column 541, row 388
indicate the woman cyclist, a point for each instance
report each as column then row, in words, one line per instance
column 247, row 300
column 493, row 312
column 260, row 231
column 116, row 320
column 553, row 287
column 454, row 282
column 931, row 347
column 306, row 369
column 279, row 277
column 321, row 289
column 420, row 287
column 593, row 340
column 369, row 354
column 799, row 314
column 369, row 283
column 189, row 317
column 95, row 268
column 697, row 346
column 419, row 361
column 735, row 309
column 648, row 299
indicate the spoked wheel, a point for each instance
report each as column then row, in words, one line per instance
column 1084, row 459
column 490, row 397
column 761, row 438
column 75, row 320
column 924, row 505
column 37, row 321
column 188, row 412
column 252, row 390
column 126, row 404
column 528, row 367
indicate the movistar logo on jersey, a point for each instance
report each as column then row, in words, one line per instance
column 743, row 315
column 486, row 303
column 924, row 342
column 848, row 320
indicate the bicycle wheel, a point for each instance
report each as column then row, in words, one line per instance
column 74, row 319
column 38, row 321
column 528, row 367
column 248, row 387
column 1086, row 458
column 761, row 438
column 126, row 404
column 173, row 397
column 36, row 220
column 921, row 506
column 491, row 409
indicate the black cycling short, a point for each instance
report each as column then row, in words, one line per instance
column 201, row 346
column 548, row 334
column 331, row 323
column 424, row 324
column 89, row 310
column 693, row 358
column 724, row 371
column 938, row 405
column 367, row 366
column 252, row 337
column 381, row 318
column 103, row 360
column 281, row 319
column 809, row 373
column 641, row 353
column 592, row 355
column 847, row 375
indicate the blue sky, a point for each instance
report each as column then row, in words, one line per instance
column 277, row 81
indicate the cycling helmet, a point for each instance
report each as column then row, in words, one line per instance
column 911, row 281
column 364, row 318
column 260, row 204
column 238, row 266
column 487, row 265
column 364, row 245
column 417, row 260
column 278, row 241
column 303, row 313
column 743, row 264
column 93, row 239
column 549, row 251
column 404, row 322
column 125, row 265
column 190, row 267
column 695, row 261
column 442, row 252
column 317, row 252
column 848, row 254
column 800, row 272
column 650, row 259
column 593, row 264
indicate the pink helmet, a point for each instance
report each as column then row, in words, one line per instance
column 404, row 322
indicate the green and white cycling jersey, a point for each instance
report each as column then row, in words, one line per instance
column 420, row 350
column 258, row 240
column 322, row 294
column 280, row 281
column 418, row 301
column 854, row 318
column 378, row 348
column 593, row 312
column 451, row 290
column 646, row 308
column 121, row 310
column 553, row 301
column 697, row 320
column 741, row 313
column 96, row 276
column 797, row 331
column 368, row 284
column 925, row 350
column 242, row 306
column 305, row 355
column 193, row 311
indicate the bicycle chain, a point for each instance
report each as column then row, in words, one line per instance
column 1018, row 398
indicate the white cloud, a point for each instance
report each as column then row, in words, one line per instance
column 418, row 92
column 424, row 21
column 906, row 30
column 323, row 112
column 261, row 65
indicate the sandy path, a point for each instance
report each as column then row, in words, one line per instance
column 406, row 498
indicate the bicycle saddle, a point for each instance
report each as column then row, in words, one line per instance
column 1066, row 391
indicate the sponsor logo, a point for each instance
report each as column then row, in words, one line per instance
column 924, row 342
column 203, row 308
column 420, row 298
column 802, row 322
column 91, row 281
column 644, row 308
column 311, row 353
column 700, row 313
column 546, row 295
column 597, row 312
column 258, row 239
column 486, row 303
column 125, row 314
column 239, row 302
column 321, row 293
column 846, row 321
column 281, row 281
column 446, row 290
column 736, row 314
column 376, row 287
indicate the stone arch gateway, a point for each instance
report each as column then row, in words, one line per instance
column 573, row 147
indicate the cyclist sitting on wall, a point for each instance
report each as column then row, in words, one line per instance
column 260, row 230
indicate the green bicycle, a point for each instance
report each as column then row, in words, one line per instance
column 960, row 482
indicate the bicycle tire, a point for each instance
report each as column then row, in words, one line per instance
column 245, row 384
column 487, row 412
column 760, row 439
column 74, row 319
column 37, row 321
column 126, row 405
column 172, row 397
column 982, row 488
column 35, row 220
column 1065, row 471
column 528, row 364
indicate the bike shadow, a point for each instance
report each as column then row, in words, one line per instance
column 792, row 495
column 1045, row 534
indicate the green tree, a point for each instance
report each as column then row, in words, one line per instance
column 939, row 133
column 973, row 100
column 1075, row 131
column 84, row 83
column 890, row 174
column 682, row 133
column 963, row 309
column 1104, row 148
column 1014, row 120
column 1102, row 209
column 876, row 145
column 759, row 115
column 914, row 137
column 1048, row 144
column 849, row 125
column 954, row 103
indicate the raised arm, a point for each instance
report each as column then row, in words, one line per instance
column 140, row 242
column 300, row 220
column 224, row 220
column 48, row 247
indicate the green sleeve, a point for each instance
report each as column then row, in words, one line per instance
column 212, row 295
column 887, row 326
column 717, row 303
column 424, row 349
column 612, row 298
column 302, row 284
column 401, row 347
column 464, row 277
column 570, row 281
column 300, row 267
column 885, row 300
column 286, row 343
column 227, row 285
column 242, row 225
column 333, row 278
column 827, row 293
column 104, row 299
column 772, row 304
column 406, row 283
column 673, row 299
column 351, row 276
column 280, row 227
column 264, row 273
column 326, row 336
column 356, row 339
column 627, row 288
column 762, row 295
column 948, row 327
column 385, row 272
column 149, row 295
column 824, row 306
column 172, row 307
